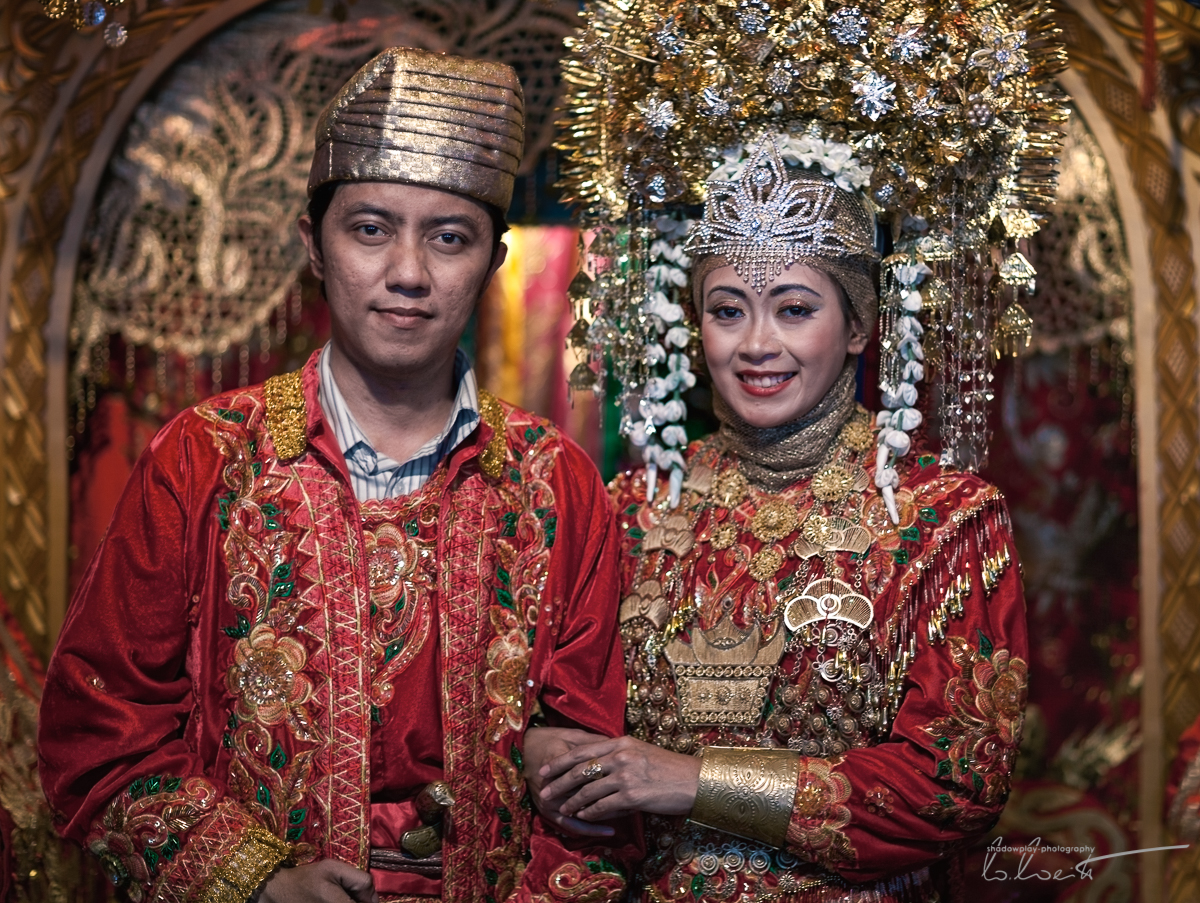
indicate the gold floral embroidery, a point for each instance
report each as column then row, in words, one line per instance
column 401, row 616
column 987, row 705
column 574, row 882
column 730, row 489
column 266, row 677
column 508, row 665
column 820, row 813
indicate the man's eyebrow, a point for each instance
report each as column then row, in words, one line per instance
column 450, row 219
column 367, row 207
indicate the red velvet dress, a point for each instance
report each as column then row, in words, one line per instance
column 252, row 648
column 907, row 736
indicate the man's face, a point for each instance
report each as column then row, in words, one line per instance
column 403, row 267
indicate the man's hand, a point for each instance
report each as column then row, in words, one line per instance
column 543, row 744
column 327, row 881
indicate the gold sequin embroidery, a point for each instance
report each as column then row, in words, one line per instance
column 491, row 460
column 287, row 415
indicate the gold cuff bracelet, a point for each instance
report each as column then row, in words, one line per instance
column 747, row 792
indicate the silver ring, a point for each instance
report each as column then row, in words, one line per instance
column 592, row 770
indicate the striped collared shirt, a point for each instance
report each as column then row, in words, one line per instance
column 375, row 476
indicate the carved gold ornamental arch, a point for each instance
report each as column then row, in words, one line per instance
column 65, row 100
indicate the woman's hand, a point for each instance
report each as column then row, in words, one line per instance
column 542, row 745
column 634, row 777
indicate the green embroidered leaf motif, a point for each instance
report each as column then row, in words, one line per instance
column 985, row 645
column 172, row 844
column 297, row 816
column 510, row 524
column 376, row 716
column 278, row 757
column 411, row 527
column 231, row 416
column 787, row 581
column 942, row 743
column 374, row 609
column 945, row 800
column 926, row 460
column 636, row 550
column 516, row 453
column 505, row 598
column 631, row 510
column 393, row 650
column 963, row 765
column 503, row 814
column 399, row 606
column 282, row 590
column 541, row 431
column 256, row 467
column 944, row 768
column 170, row 785
column 637, row 533
column 698, row 886
column 137, row 788
column 227, row 741
column 910, row 534
column 517, row 759
column 241, row 630
column 504, row 576
column 491, row 876
column 294, row 834
column 151, row 857
column 506, row 832
column 153, row 784
column 551, row 531
column 253, row 446
column 900, row 556
column 530, row 633
column 514, row 475
column 539, row 513
column 977, row 781
column 929, row 515
column 263, row 796
column 281, row 571
column 530, row 435
column 232, row 723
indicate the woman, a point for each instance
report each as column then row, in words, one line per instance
column 822, row 702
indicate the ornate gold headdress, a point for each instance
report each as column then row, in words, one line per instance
column 943, row 114
column 426, row 118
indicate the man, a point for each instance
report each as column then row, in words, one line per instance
column 321, row 597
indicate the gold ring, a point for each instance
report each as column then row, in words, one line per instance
column 593, row 770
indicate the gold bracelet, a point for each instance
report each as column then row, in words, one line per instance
column 747, row 792
column 248, row 864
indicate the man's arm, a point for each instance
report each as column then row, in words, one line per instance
column 582, row 679
column 119, row 715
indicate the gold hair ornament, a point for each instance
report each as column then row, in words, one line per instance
column 946, row 115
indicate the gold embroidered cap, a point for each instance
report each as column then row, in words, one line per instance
column 427, row 119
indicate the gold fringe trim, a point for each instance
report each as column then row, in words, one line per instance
column 491, row 460
column 287, row 415
column 248, row 865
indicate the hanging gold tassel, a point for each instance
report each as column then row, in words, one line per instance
column 1014, row 331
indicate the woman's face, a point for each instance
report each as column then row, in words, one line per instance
column 774, row 354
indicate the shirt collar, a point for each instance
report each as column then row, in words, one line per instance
column 361, row 457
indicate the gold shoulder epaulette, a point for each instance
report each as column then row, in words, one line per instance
column 491, row 460
column 287, row 415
